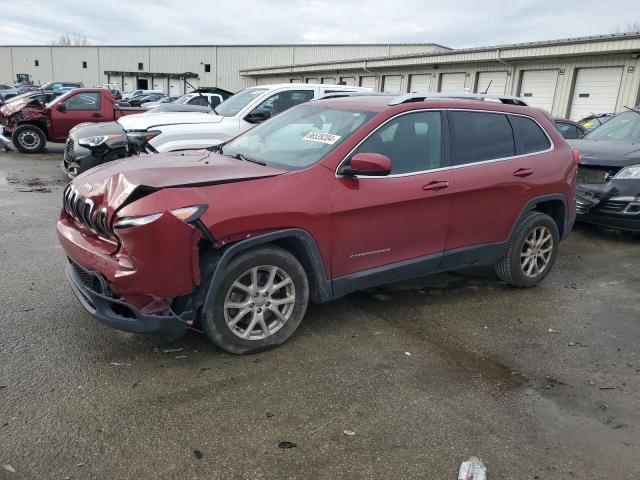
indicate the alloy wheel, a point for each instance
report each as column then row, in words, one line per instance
column 536, row 251
column 259, row 302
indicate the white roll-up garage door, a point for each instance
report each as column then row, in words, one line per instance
column 420, row 83
column 538, row 88
column 129, row 84
column 368, row 82
column 174, row 87
column 596, row 91
column 492, row 82
column 391, row 83
column 328, row 80
column 115, row 80
column 351, row 81
column 312, row 80
column 452, row 82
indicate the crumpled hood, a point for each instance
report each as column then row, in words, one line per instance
column 112, row 183
column 145, row 121
column 14, row 107
column 605, row 153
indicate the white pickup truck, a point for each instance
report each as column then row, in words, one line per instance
column 165, row 132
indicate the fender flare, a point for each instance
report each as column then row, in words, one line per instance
column 324, row 289
column 531, row 205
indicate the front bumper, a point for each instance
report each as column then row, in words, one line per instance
column 611, row 221
column 78, row 159
column 92, row 291
column 4, row 141
column 613, row 204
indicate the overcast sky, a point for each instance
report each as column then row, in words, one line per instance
column 454, row 23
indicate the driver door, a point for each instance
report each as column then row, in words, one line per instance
column 79, row 108
column 392, row 227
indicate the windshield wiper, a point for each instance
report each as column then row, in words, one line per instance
column 240, row 156
column 217, row 148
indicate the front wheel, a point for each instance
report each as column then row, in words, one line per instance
column 260, row 301
column 531, row 252
column 29, row 139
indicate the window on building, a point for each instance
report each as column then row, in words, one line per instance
column 84, row 64
column 207, row 67
column 140, row 66
column 37, row 63
column 529, row 136
column 413, row 142
column 481, row 136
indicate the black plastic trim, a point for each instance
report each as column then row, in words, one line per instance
column 323, row 283
column 531, row 205
column 102, row 308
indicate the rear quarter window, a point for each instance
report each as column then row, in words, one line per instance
column 529, row 136
column 479, row 136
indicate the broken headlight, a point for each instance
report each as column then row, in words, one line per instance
column 186, row 214
column 629, row 173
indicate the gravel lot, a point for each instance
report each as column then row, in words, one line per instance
column 540, row 383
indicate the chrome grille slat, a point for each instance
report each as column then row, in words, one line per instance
column 83, row 211
column 68, row 150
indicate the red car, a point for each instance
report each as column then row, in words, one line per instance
column 329, row 197
column 30, row 123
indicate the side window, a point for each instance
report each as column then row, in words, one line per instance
column 569, row 131
column 529, row 136
column 479, row 136
column 83, row 101
column 198, row 100
column 413, row 142
column 215, row 100
column 282, row 101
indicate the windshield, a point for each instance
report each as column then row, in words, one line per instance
column 232, row 105
column 299, row 137
column 624, row 127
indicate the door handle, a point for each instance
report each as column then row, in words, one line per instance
column 522, row 172
column 97, row 115
column 435, row 186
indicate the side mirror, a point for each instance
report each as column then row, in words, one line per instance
column 61, row 107
column 258, row 115
column 368, row 164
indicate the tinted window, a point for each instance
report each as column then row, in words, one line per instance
column 83, row 101
column 413, row 142
column 480, row 136
column 569, row 131
column 199, row 101
column 282, row 101
column 529, row 135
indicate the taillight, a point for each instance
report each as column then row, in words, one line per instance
column 576, row 156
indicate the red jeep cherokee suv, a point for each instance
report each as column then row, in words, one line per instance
column 332, row 196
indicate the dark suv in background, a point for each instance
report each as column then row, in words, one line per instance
column 329, row 197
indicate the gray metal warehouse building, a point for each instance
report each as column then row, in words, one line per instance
column 571, row 77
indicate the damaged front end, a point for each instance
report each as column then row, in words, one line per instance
column 608, row 196
column 138, row 274
column 16, row 113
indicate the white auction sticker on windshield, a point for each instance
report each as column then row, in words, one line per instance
column 328, row 138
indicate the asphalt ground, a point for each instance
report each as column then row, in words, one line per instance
column 539, row 383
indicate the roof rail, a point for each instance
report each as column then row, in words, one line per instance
column 354, row 93
column 486, row 97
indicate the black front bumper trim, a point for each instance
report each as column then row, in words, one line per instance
column 106, row 309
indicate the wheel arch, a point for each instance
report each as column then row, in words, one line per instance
column 554, row 205
column 298, row 242
column 41, row 124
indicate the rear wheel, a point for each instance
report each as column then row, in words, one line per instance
column 29, row 139
column 531, row 252
column 259, row 303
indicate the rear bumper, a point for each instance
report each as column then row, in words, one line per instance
column 92, row 289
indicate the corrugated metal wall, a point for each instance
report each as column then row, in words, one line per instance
column 225, row 62
column 628, row 95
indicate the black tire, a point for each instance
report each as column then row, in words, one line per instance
column 29, row 139
column 214, row 321
column 510, row 269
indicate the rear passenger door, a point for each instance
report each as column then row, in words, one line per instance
column 498, row 159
